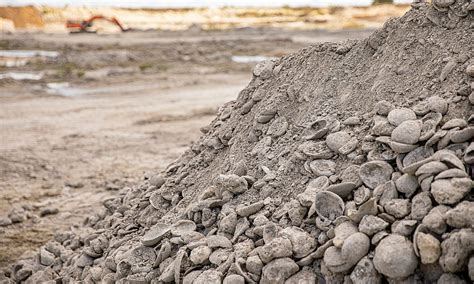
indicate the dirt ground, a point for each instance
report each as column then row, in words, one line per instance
column 134, row 103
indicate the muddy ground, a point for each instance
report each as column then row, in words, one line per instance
column 126, row 104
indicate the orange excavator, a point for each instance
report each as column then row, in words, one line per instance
column 85, row 26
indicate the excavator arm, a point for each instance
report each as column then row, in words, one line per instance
column 84, row 26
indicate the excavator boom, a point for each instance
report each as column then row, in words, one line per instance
column 85, row 26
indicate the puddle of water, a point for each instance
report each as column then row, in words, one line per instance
column 21, row 76
column 28, row 53
column 13, row 62
column 64, row 89
column 250, row 59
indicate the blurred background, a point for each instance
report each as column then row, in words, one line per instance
column 95, row 93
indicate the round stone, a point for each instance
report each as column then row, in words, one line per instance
column 437, row 104
column 399, row 115
column 335, row 141
column 200, row 254
column 408, row 132
column 394, row 257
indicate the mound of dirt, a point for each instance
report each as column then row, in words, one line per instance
column 27, row 17
column 346, row 162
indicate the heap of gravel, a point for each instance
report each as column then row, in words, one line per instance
column 350, row 162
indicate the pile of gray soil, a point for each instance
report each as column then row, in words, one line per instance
column 343, row 163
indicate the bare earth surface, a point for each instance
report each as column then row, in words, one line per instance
column 69, row 153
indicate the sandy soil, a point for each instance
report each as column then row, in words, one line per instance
column 71, row 153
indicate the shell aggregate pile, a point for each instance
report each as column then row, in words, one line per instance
column 342, row 163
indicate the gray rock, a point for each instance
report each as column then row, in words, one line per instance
column 210, row 276
column 200, row 255
column 305, row 276
column 404, row 227
column 435, row 221
column 437, row 104
column 254, row 265
column 46, row 257
column 218, row 241
column 5, row 221
column 247, row 210
column 451, row 191
column 420, row 205
column 407, row 184
column 394, row 257
column 365, row 273
column 456, row 250
column 449, row 278
column 278, row 271
column 277, row 248
column 234, row 279
column 302, row 242
column 461, row 216
column 383, row 107
column 336, row 140
column 342, row 232
column 371, row 225
column 398, row 208
column 429, row 248
column 355, row 247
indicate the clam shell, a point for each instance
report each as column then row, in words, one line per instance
column 155, row 234
column 435, row 138
column 449, row 158
column 343, row 189
column 428, row 129
column 316, row 150
column 402, row 147
column 375, row 173
column 453, row 123
column 183, row 227
column 469, row 155
column 421, row 108
column 317, row 129
column 322, row 167
column 417, row 155
column 436, row 117
column 460, row 136
column 431, row 168
column 329, row 205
